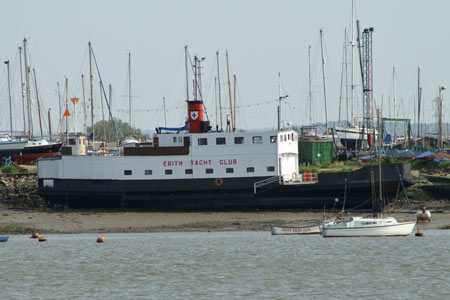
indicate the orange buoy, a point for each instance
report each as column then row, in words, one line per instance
column 35, row 235
column 101, row 239
column 419, row 233
column 42, row 239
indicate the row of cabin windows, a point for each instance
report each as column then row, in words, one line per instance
column 238, row 140
column 190, row 171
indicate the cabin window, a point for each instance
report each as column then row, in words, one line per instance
column 238, row 140
column 281, row 138
column 188, row 171
column 270, row 169
column 209, row 171
column 250, row 170
column 220, row 141
column 202, row 141
column 148, row 172
column 180, row 139
column 288, row 137
column 257, row 139
column 174, row 139
column 168, row 172
column 230, row 170
column 72, row 141
column 293, row 136
column 127, row 172
column 273, row 139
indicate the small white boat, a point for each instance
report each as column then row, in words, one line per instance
column 368, row 227
column 423, row 215
column 315, row 228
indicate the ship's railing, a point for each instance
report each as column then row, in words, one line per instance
column 305, row 178
column 266, row 181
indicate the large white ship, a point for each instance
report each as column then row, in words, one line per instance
column 196, row 168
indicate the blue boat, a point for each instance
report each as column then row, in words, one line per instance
column 4, row 238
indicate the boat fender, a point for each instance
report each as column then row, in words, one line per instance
column 34, row 235
column 219, row 181
column 294, row 175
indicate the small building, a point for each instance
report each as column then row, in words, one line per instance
column 315, row 151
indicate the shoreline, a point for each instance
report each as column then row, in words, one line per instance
column 26, row 221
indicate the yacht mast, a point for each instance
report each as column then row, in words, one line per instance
column 9, row 96
column 324, row 86
column 218, row 85
column 91, row 84
column 84, row 105
column 229, row 93
column 129, row 91
column 419, row 98
column 38, row 105
column 310, row 86
column 28, row 90
column 352, row 43
column 23, row 96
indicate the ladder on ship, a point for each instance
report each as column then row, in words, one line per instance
column 266, row 181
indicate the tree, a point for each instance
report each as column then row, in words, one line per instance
column 104, row 130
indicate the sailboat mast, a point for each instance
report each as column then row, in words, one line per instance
column 220, row 93
column 129, row 91
column 419, row 96
column 84, row 105
column 67, row 108
column 310, row 86
column 23, row 95
column 91, row 85
column 324, row 86
column 38, row 105
column 164, row 108
column 229, row 92
column 353, row 60
column 9, row 96
column 28, row 90
column 279, row 101
column 395, row 102
column 234, row 114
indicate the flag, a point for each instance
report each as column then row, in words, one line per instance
column 74, row 100
column 66, row 113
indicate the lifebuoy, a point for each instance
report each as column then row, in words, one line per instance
column 219, row 181
column 294, row 175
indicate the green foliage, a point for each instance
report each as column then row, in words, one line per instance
column 11, row 169
column 105, row 130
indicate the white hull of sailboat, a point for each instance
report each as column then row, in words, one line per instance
column 369, row 228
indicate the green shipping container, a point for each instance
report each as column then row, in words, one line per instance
column 315, row 152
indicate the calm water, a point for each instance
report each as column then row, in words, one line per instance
column 230, row 265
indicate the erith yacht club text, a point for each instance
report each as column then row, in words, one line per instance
column 201, row 162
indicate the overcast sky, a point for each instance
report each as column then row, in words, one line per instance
column 263, row 39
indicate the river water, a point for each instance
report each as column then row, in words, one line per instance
column 225, row 265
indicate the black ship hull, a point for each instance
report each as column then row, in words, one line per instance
column 354, row 188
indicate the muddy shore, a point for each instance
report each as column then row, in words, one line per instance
column 22, row 211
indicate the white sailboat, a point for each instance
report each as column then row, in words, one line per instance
column 370, row 227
